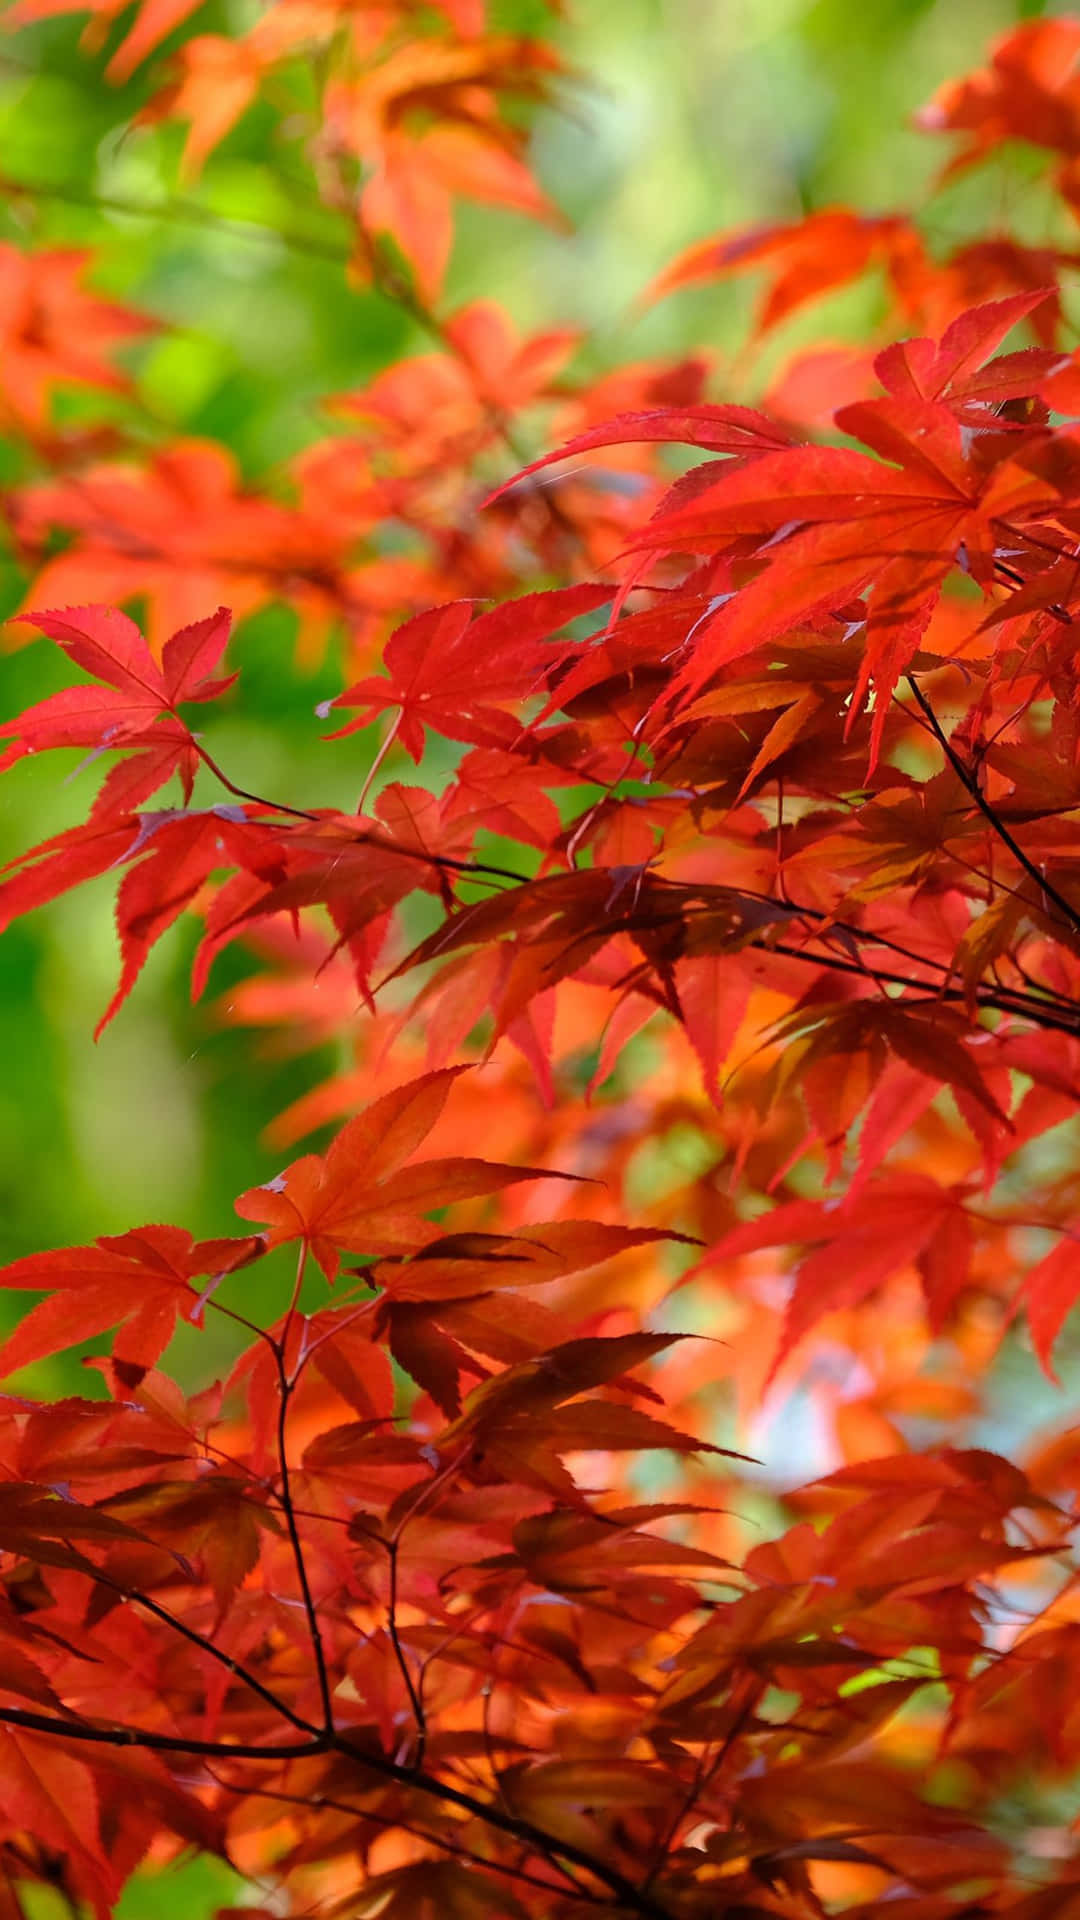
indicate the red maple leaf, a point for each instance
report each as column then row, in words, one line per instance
column 139, row 1281
column 52, row 331
column 457, row 676
column 367, row 1194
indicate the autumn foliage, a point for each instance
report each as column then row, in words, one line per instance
column 713, row 1038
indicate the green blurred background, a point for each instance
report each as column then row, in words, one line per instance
column 686, row 116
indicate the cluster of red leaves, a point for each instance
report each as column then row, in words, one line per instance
column 178, row 527
column 753, row 972
column 408, row 119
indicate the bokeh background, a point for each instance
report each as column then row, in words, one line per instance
column 682, row 117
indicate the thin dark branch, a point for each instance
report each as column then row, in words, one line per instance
column 411, row 1689
column 473, row 869
column 704, row 1772
column 1000, row 1000
column 241, row 793
column 970, row 782
column 310, row 1612
column 869, row 936
column 158, row 1742
column 632, row 1897
column 442, row 1841
column 205, row 1645
column 1038, row 1005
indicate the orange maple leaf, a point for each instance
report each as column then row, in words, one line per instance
column 52, row 331
column 154, row 20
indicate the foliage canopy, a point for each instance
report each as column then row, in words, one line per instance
column 711, row 987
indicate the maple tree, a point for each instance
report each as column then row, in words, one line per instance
column 709, row 1037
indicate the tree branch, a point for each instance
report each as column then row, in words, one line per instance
column 969, row 781
column 207, row 1646
column 443, row 1842
column 415, row 1701
column 311, row 1615
column 158, row 1742
column 1000, row 999
column 628, row 1895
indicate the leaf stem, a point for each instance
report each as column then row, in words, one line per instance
column 384, row 747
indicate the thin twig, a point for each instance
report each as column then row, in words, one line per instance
column 284, row 1391
column 319, row 1801
column 159, row 1742
column 704, row 1773
column 970, row 783
column 626, row 1892
column 635, row 1899
column 207, row 1646
column 241, row 793
column 1000, row 1001
column 415, row 1701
